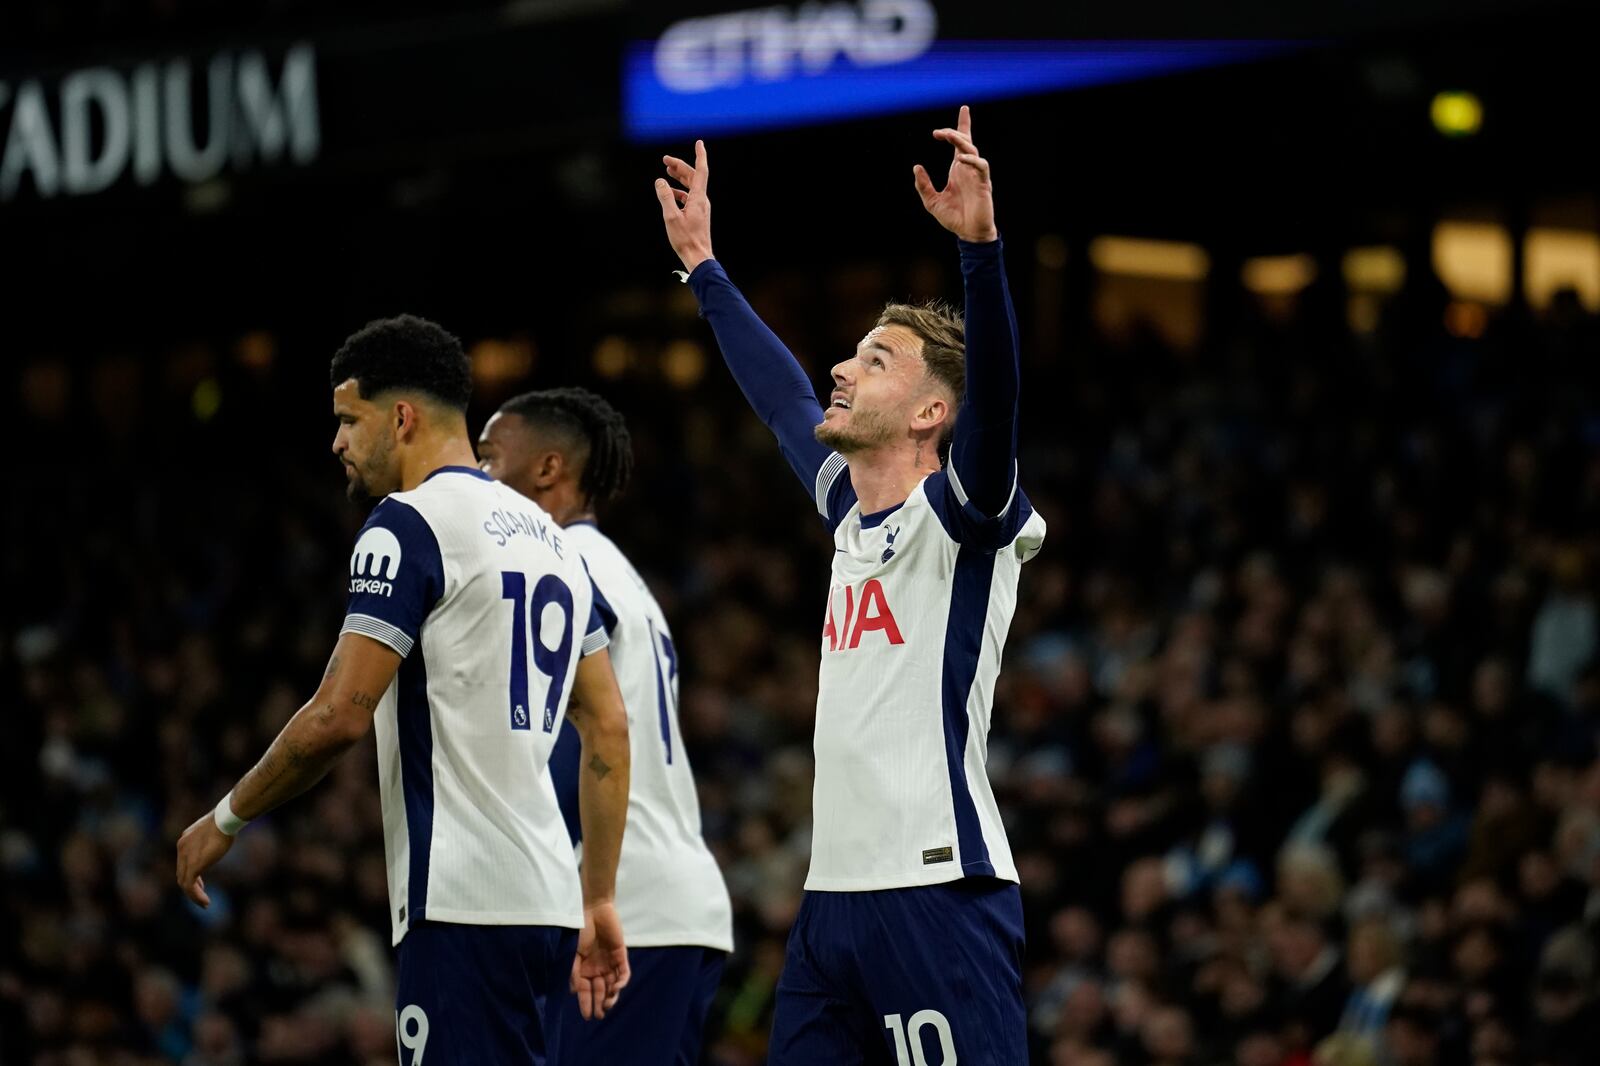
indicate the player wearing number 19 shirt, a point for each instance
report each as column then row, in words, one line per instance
column 470, row 621
column 569, row 451
column 908, row 945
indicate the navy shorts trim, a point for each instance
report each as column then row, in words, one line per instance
column 473, row 994
column 912, row 976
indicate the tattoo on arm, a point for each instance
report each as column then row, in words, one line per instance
column 598, row 765
column 364, row 701
column 333, row 668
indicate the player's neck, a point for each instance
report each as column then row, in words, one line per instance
column 883, row 478
column 427, row 455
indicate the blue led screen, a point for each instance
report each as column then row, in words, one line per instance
column 947, row 72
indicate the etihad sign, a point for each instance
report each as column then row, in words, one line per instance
column 778, row 43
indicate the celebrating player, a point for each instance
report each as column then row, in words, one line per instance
column 568, row 450
column 909, row 940
column 470, row 621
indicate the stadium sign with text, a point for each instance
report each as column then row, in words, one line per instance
column 786, row 66
column 82, row 134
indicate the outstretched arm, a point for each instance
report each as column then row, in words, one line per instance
column 772, row 380
column 983, row 451
column 317, row 736
column 600, row 969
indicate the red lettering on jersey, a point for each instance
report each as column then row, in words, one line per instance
column 829, row 630
column 849, row 609
column 883, row 618
column 837, row 635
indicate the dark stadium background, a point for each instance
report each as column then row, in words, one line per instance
column 1330, row 545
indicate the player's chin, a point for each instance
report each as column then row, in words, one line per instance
column 831, row 430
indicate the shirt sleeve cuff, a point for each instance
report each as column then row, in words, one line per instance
column 978, row 249
column 595, row 641
column 388, row 635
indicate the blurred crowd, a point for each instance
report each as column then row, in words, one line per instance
column 1295, row 739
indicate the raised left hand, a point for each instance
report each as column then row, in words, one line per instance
column 965, row 206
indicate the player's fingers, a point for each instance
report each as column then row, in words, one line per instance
column 678, row 170
column 924, row 185
column 669, row 205
column 681, row 196
column 580, row 986
column 964, row 120
column 960, row 140
column 702, row 167
column 977, row 162
column 195, row 889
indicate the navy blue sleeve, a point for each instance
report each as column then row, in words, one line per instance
column 774, row 383
column 983, row 450
column 602, row 618
column 396, row 577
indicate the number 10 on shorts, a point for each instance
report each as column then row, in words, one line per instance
column 910, row 1033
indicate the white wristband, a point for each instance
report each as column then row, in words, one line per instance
column 226, row 820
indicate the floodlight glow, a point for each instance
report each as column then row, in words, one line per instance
column 1457, row 114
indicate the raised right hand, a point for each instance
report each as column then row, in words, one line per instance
column 687, row 214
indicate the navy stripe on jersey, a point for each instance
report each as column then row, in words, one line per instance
column 563, row 769
column 963, row 639
column 601, row 614
column 965, row 524
column 414, row 727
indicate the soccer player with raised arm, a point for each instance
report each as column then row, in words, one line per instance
column 470, row 622
column 569, row 451
column 908, row 945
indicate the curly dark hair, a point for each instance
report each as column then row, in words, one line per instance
column 597, row 433
column 408, row 353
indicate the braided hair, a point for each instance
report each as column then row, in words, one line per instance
column 594, row 428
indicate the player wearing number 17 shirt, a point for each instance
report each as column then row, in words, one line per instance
column 908, row 945
column 569, row 451
column 470, row 622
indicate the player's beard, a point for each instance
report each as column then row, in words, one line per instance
column 862, row 430
column 365, row 475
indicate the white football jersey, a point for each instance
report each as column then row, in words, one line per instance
column 921, row 598
column 669, row 890
column 490, row 608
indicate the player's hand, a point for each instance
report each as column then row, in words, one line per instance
column 201, row 847
column 965, row 206
column 600, row 970
column 687, row 211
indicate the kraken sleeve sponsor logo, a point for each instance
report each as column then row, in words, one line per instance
column 375, row 563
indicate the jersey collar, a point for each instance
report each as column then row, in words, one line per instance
column 869, row 521
column 472, row 470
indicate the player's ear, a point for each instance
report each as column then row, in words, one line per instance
column 404, row 418
column 547, row 468
column 933, row 411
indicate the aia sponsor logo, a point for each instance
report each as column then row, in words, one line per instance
column 872, row 614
